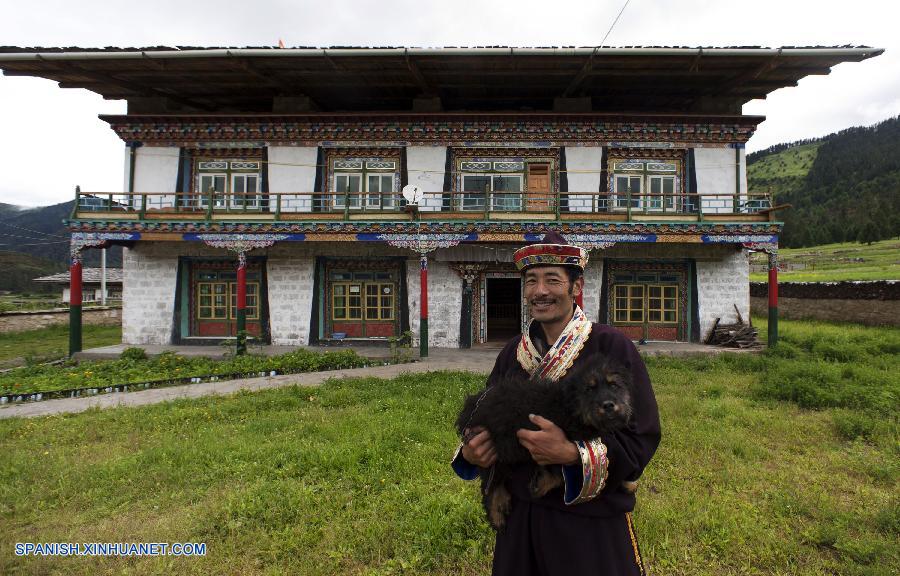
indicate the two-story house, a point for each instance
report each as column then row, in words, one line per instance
column 263, row 187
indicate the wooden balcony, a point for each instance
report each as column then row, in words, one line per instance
column 436, row 206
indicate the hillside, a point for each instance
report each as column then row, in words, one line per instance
column 34, row 242
column 843, row 187
column 19, row 269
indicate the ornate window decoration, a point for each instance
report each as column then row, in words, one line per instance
column 364, row 182
column 229, row 183
column 505, row 181
column 651, row 183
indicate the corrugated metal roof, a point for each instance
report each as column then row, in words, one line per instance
column 497, row 78
column 88, row 276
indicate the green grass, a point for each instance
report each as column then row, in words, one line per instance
column 52, row 343
column 353, row 477
column 835, row 262
column 134, row 366
column 794, row 162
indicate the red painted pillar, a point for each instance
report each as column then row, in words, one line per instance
column 241, row 304
column 75, row 299
column 423, row 308
column 773, row 298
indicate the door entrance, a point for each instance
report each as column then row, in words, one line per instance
column 503, row 308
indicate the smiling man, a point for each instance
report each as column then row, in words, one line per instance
column 586, row 526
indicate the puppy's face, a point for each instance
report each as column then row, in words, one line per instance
column 604, row 397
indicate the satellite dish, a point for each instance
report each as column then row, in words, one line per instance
column 412, row 193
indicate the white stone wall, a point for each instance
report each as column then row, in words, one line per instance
column 292, row 169
column 156, row 170
column 150, row 271
column 444, row 303
column 425, row 168
column 593, row 283
column 715, row 178
column 583, row 164
column 722, row 283
column 290, row 282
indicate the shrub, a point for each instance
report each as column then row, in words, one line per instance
column 133, row 354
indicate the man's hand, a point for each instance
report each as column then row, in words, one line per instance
column 479, row 448
column 548, row 445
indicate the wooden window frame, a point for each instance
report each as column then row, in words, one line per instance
column 347, row 307
column 212, row 306
column 225, row 198
column 662, row 298
column 385, row 200
column 628, row 299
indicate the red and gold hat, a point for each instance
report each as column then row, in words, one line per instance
column 553, row 252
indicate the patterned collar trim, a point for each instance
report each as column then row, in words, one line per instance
column 556, row 362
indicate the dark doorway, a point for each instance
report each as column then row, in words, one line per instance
column 504, row 308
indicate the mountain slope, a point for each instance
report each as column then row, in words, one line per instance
column 39, row 233
column 842, row 187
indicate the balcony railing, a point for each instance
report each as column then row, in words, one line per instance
column 444, row 205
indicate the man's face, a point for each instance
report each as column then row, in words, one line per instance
column 550, row 293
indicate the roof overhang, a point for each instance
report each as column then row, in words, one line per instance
column 296, row 80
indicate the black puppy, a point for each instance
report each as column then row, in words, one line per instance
column 589, row 401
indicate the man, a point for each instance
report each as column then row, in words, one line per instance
column 586, row 527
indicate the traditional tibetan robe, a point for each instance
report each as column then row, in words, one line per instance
column 586, row 526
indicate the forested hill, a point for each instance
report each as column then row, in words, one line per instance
column 39, row 233
column 842, row 187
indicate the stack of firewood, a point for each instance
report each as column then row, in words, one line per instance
column 740, row 335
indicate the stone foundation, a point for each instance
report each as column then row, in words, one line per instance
column 35, row 320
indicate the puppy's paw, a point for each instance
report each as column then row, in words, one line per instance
column 499, row 504
column 544, row 480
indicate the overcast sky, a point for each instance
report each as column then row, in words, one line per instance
column 52, row 139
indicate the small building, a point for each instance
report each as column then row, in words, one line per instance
column 92, row 281
column 265, row 186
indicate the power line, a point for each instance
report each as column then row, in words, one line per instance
column 603, row 42
column 55, row 234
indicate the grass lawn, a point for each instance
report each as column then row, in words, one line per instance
column 835, row 262
column 52, row 342
column 785, row 463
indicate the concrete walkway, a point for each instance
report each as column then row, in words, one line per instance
column 478, row 360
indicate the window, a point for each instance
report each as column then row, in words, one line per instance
column 379, row 301
column 251, row 301
column 498, row 184
column 644, row 185
column 228, row 183
column 346, row 301
column 365, row 184
column 662, row 304
column 218, row 300
column 637, row 302
column 212, row 303
column 629, row 303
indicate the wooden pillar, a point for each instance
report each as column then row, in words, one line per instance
column 423, row 307
column 75, row 300
column 465, row 323
column 773, row 299
column 241, row 334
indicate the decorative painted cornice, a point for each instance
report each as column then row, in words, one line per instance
column 81, row 240
column 468, row 271
column 423, row 243
column 446, row 130
column 483, row 231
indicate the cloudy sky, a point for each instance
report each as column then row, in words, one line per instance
column 52, row 139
